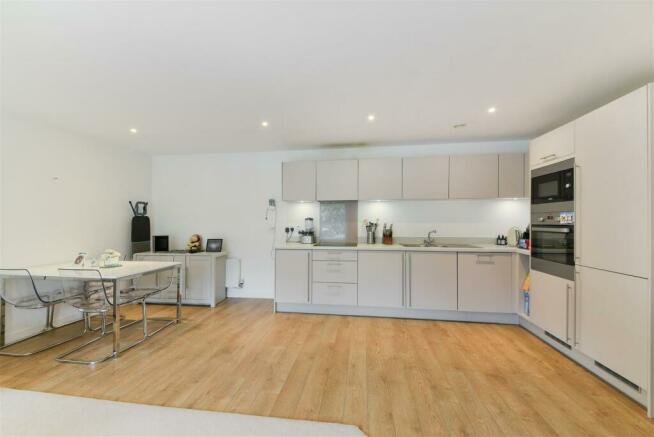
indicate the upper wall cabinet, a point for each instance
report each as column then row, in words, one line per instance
column 426, row 177
column 473, row 176
column 512, row 175
column 380, row 179
column 552, row 147
column 337, row 180
column 299, row 181
column 611, row 186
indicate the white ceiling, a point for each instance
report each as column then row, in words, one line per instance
column 201, row 76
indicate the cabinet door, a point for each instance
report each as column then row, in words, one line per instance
column 198, row 278
column 613, row 325
column 292, row 276
column 426, row 177
column 551, row 305
column 527, row 177
column 148, row 281
column 381, row 279
column 380, row 179
column 553, row 146
column 485, row 282
column 612, row 186
column 432, row 280
column 299, row 180
column 337, row 180
column 473, row 176
column 511, row 175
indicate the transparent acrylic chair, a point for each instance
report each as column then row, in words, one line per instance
column 20, row 289
column 86, row 290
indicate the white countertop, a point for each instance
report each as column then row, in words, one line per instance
column 212, row 254
column 479, row 247
column 127, row 270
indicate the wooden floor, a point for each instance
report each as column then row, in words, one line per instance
column 387, row 376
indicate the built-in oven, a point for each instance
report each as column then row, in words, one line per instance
column 553, row 243
column 552, row 187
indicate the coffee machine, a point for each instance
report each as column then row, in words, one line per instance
column 308, row 236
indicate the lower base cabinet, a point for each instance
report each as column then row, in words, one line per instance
column 292, row 276
column 485, row 282
column 202, row 280
column 381, row 279
column 613, row 321
column 432, row 280
column 551, row 305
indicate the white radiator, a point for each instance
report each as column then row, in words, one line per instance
column 233, row 267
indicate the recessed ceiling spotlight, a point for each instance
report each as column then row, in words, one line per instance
column 492, row 110
column 459, row 125
column 264, row 123
column 371, row 117
column 133, row 130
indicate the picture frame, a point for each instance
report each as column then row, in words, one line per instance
column 214, row 245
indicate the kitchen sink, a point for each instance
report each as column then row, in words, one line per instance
column 453, row 246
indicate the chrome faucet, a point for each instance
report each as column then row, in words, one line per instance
column 429, row 241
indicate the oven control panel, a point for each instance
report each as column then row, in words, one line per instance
column 554, row 218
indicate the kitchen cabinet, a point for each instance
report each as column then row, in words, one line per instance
column 381, row 279
column 426, row 177
column 612, row 188
column 380, row 179
column 551, row 303
column 335, row 271
column 511, row 175
column 613, row 321
column 299, row 181
column 527, row 176
column 473, row 176
column 334, row 294
column 485, row 282
column 292, row 276
column 554, row 146
column 202, row 280
column 337, row 180
column 432, row 280
column 198, row 281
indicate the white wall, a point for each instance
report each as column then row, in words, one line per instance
column 61, row 194
column 226, row 196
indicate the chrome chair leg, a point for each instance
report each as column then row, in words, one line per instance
column 103, row 331
column 48, row 328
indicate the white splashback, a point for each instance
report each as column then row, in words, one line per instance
column 451, row 218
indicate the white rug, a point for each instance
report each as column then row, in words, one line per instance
column 26, row 413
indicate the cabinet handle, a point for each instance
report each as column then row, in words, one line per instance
column 577, row 192
column 309, row 277
column 485, row 259
column 567, row 312
column 334, row 286
column 546, row 157
column 403, row 276
column 577, row 306
column 410, row 286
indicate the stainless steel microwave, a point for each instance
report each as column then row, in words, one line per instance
column 553, row 184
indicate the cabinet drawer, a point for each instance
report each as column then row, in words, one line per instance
column 334, row 294
column 335, row 271
column 335, row 255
